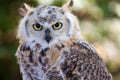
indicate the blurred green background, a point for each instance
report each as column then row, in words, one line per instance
column 99, row 22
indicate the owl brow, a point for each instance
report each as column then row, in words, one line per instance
column 26, row 28
column 62, row 12
column 31, row 13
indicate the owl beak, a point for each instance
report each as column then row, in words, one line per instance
column 47, row 35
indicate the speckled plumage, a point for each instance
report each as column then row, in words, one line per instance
column 62, row 54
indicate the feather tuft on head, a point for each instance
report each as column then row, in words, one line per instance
column 24, row 9
column 68, row 5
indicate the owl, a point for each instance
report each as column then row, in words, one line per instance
column 51, row 46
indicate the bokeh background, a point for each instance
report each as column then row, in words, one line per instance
column 99, row 22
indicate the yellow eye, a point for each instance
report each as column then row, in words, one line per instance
column 57, row 26
column 37, row 27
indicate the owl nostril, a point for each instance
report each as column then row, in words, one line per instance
column 47, row 35
column 47, row 31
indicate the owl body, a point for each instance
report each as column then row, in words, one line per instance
column 51, row 46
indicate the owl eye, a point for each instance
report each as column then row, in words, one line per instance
column 57, row 26
column 37, row 27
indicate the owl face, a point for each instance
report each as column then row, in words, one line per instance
column 46, row 24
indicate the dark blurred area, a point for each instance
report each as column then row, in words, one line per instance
column 100, row 25
column 9, row 18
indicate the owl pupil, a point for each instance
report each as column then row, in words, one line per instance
column 57, row 24
column 37, row 25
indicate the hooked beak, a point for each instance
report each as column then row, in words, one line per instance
column 47, row 35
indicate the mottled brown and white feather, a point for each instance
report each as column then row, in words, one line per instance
column 56, row 54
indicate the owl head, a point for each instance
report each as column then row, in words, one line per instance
column 48, row 25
